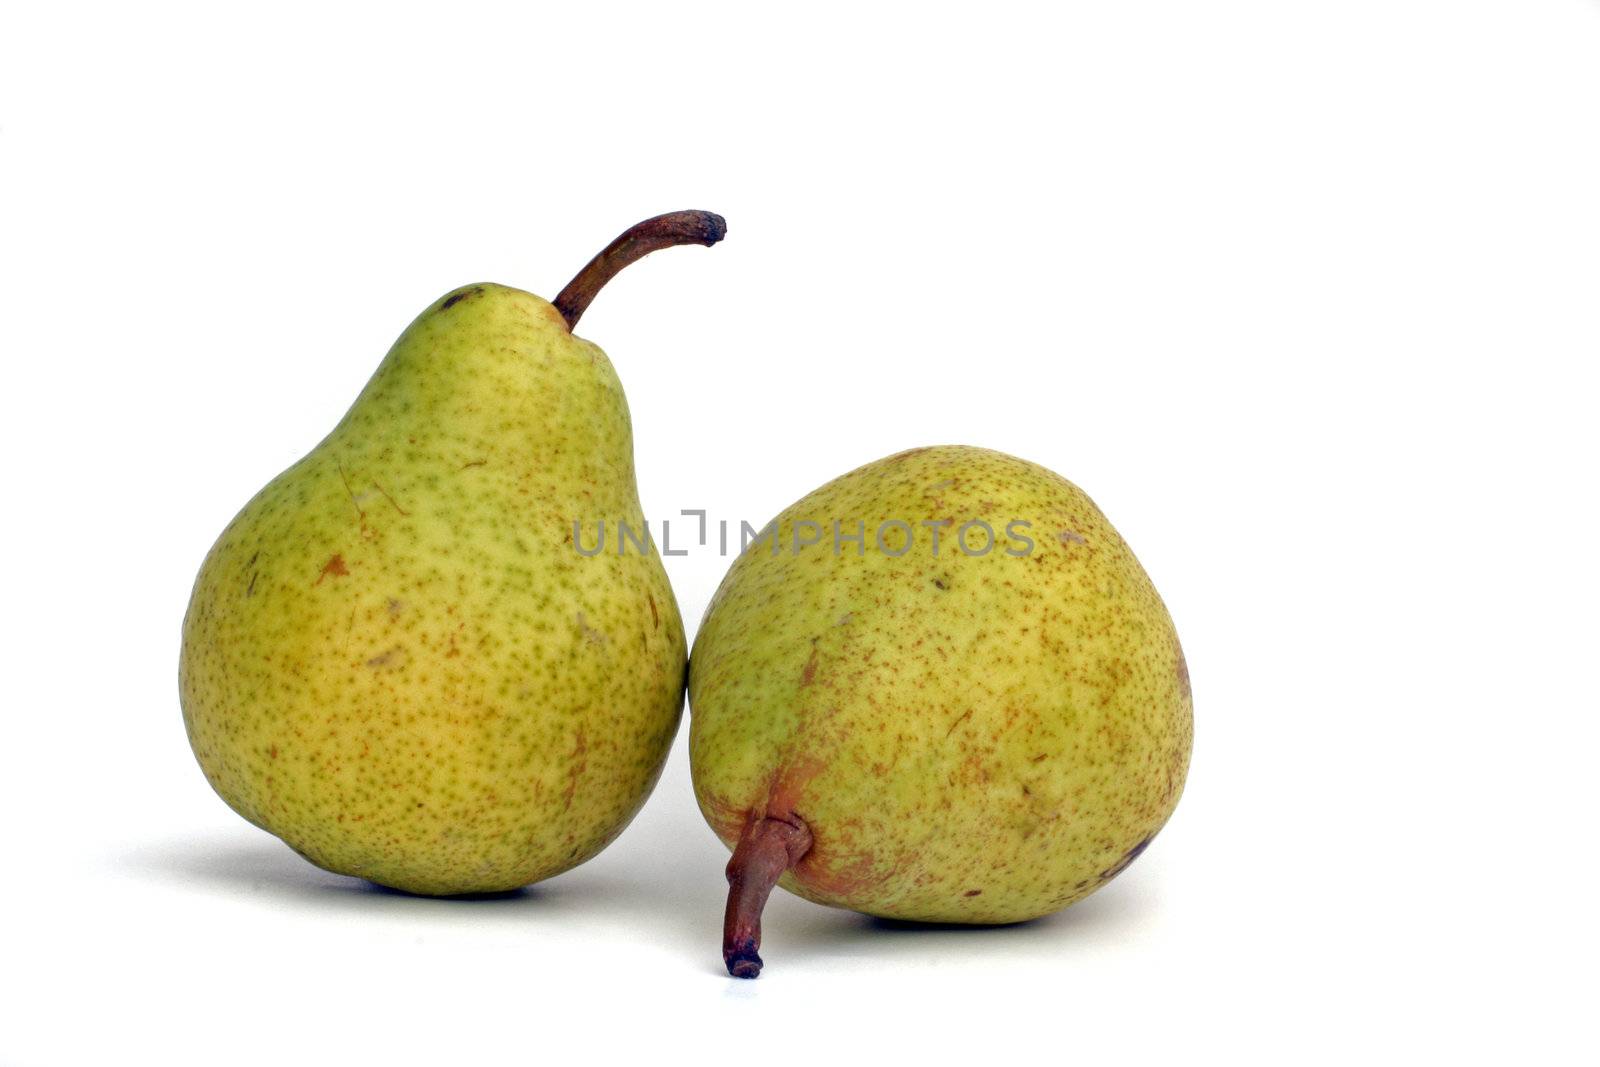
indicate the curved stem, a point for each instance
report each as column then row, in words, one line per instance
column 663, row 231
column 769, row 847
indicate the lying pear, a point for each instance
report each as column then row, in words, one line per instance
column 939, row 688
column 396, row 658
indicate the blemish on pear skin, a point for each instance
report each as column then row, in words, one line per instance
column 965, row 715
column 1183, row 676
column 456, row 298
column 391, row 500
column 361, row 515
column 335, row 567
column 972, row 892
column 250, row 589
column 580, row 760
column 655, row 616
column 474, row 463
column 1127, row 858
column 394, row 658
column 590, row 634
column 809, row 671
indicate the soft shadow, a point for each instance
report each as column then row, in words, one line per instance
column 265, row 868
column 804, row 932
column 504, row 894
column 663, row 888
column 660, row 884
column 911, row 926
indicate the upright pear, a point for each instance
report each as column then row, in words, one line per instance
column 396, row 657
column 939, row 688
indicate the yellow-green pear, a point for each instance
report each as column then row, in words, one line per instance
column 401, row 657
column 939, row 688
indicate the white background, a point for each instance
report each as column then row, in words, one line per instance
column 1306, row 295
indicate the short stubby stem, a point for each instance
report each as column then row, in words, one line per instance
column 769, row 847
column 651, row 235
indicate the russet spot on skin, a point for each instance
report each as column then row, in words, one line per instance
column 975, row 739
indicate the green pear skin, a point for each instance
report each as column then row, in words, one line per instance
column 395, row 659
column 967, row 738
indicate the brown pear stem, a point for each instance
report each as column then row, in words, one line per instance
column 651, row 235
column 769, row 847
